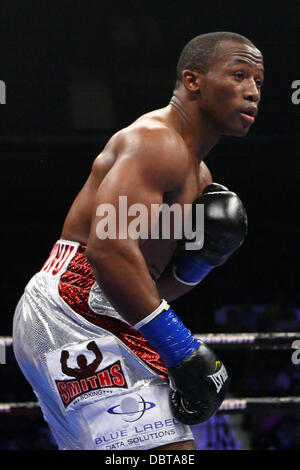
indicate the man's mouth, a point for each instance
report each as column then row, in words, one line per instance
column 249, row 114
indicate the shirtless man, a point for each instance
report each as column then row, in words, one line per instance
column 155, row 378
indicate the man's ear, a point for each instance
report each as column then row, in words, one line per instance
column 192, row 80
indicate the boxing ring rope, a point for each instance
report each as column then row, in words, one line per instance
column 6, row 341
column 256, row 341
column 250, row 340
column 229, row 406
column 232, row 340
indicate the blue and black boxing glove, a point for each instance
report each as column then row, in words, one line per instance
column 198, row 378
column 225, row 229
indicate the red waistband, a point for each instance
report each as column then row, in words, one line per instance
column 61, row 254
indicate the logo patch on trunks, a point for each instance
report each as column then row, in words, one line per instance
column 87, row 381
column 131, row 408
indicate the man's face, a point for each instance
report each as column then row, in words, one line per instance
column 232, row 88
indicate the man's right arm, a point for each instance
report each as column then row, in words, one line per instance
column 144, row 170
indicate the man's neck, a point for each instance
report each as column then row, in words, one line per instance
column 198, row 134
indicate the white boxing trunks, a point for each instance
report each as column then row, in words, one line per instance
column 99, row 383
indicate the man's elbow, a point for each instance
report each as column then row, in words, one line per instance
column 105, row 253
column 97, row 254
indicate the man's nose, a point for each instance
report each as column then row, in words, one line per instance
column 252, row 92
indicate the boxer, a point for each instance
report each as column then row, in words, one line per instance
column 95, row 334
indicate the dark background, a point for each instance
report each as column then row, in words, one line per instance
column 77, row 71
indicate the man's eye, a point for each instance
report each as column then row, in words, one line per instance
column 238, row 75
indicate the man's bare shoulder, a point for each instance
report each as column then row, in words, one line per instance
column 155, row 146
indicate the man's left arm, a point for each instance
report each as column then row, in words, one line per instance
column 167, row 285
column 225, row 228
